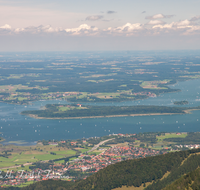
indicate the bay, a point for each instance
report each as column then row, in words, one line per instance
column 19, row 129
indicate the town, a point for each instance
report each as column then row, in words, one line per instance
column 114, row 148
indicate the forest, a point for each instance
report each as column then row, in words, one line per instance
column 52, row 111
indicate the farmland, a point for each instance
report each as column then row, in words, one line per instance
column 77, row 78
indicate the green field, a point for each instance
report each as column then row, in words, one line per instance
column 171, row 135
column 22, row 154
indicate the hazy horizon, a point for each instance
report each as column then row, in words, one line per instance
column 99, row 25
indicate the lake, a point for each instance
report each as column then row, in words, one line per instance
column 19, row 129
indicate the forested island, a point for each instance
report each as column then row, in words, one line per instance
column 181, row 102
column 55, row 111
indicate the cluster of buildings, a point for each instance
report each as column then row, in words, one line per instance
column 113, row 155
column 189, row 146
column 84, row 163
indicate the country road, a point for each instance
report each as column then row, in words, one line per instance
column 97, row 146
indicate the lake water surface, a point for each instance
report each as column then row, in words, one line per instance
column 15, row 127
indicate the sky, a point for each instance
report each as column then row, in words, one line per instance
column 96, row 25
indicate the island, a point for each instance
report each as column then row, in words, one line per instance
column 181, row 102
column 65, row 111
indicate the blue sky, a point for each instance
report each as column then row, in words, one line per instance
column 49, row 25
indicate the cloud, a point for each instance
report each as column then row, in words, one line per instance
column 38, row 29
column 127, row 29
column 195, row 18
column 82, row 29
column 165, row 26
column 158, row 16
column 30, row 30
column 192, row 30
column 183, row 27
column 155, row 22
column 175, row 25
column 143, row 12
column 111, row 12
column 183, row 24
column 6, row 27
column 94, row 17
column 153, row 27
column 107, row 20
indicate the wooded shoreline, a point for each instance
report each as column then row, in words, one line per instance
column 130, row 115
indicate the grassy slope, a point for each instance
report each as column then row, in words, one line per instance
column 189, row 181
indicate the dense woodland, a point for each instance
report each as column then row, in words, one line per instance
column 189, row 181
column 52, row 111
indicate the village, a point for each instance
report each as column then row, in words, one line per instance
column 85, row 164
column 101, row 152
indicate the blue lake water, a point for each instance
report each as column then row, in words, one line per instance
column 16, row 127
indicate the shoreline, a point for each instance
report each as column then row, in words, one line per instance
column 107, row 116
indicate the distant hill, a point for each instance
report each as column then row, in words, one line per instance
column 134, row 172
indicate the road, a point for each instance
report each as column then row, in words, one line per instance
column 97, row 146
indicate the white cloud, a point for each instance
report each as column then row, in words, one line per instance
column 168, row 26
column 83, row 29
column 38, row 29
column 175, row 25
column 192, row 30
column 155, row 22
column 6, row 27
column 128, row 29
column 184, row 27
column 94, row 17
column 153, row 27
column 183, row 24
column 159, row 16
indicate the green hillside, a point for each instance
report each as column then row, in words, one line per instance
column 189, row 181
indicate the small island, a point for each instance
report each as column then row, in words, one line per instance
column 75, row 111
column 181, row 102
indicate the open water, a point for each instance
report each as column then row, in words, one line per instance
column 19, row 129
